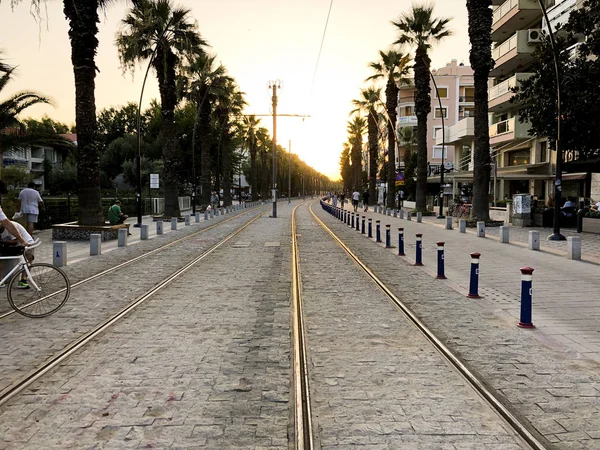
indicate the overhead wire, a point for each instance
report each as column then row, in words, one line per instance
column 312, row 85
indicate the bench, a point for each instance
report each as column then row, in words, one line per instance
column 72, row 231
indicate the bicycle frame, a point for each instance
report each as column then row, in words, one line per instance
column 22, row 264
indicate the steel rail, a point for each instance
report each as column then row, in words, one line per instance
column 137, row 258
column 302, row 408
column 477, row 384
column 14, row 388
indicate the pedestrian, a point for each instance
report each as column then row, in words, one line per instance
column 29, row 203
column 355, row 198
column 115, row 215
column 8, row 225
column 342, row 199
column 335, row 199
column 214, row 199
column 365, row 199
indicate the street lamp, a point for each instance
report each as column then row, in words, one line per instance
column 139, row 132
column 441, row 213
column 275, row 85
column 555, row 236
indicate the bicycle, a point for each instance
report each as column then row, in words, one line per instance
column 35, row 290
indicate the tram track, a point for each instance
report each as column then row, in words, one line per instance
column 509, row 418
column 148, row 254
column 22, row 383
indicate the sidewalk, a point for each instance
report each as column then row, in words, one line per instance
column 566, row 310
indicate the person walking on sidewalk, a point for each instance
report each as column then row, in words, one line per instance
column 365, row 199
column 30, row 200
column 355, row 197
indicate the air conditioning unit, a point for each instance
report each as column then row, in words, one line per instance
column 534, row 36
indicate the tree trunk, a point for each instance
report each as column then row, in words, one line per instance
column 373, row 147
column 253, row 169
column 422, row 110
column 83, row 19
column 266, row 174
column 391, row 101
column 164, row 64
column 480, row 26
column 226, row 158
column 204, row 132
column 356, row 158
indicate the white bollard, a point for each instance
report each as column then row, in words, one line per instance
column 504, row 235
column 212, row 213
column 534, row 240
column 222, row 211
column 462, row 225
column 95, row 244
column 59, row 253
column 389, row 211
column 187, row 220
column 144, row 232
column 122, row 237
column 174, row 223
column 401, row 212
column 419, row 217
column 197, row 217
column 408, row 216
column 205, row 215
column 159, row 227
column 481, row 229
column 395, row 212
column 574, row 247
column 449, row 222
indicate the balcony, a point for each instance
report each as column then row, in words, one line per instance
column 466, row 99
column 406, row 100
column 508, row 130
column 559, row 13
column 512, row 15
column 499, row 96
column 407, row 121
column 463, row 130
column 515, row 53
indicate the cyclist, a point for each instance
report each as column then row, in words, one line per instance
column 9, row 247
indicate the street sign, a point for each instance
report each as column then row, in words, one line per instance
column 400, row 179
column 448, row 165
column 154, row 183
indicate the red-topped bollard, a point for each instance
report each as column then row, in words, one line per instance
column 474, row 283
column 526, row 297
column 440, row 268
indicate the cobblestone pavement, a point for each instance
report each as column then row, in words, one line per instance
column 375, row 381
column 590, row 242
column 92, row 303
column 203, row 364
column 550, row 375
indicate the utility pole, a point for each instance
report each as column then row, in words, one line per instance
column 274, row 85
column 290, row 174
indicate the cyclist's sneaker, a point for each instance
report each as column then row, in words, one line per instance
column 23, row 284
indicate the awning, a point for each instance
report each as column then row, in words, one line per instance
column 574, row 176
column 513, row 145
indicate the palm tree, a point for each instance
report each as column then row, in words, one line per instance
column 393, row 67
column 369, row 103
column 265, row 144
column 356, row 130
column 142, row 31
column 480, row 27
column 419, row 28
column 249, row 131
column 83, row 17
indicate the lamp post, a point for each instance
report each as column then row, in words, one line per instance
column 139, row 133
column 555, row 236
column 274, row 85
column 441, row 213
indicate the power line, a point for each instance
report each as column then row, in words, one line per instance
column 320, row 50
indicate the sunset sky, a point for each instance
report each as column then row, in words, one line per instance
column 258, row 41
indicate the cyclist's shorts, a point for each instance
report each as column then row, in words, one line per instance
column 11, row 250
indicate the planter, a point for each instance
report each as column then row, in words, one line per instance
column 591, row 225
column 538, row 219
column 74, row 232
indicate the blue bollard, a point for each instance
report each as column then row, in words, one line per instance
column 401, row 242
column 474, row 282
column 419, row 253
column 388, row 237
column 370, row 235
column 352, row 220
column 526, row 297
column 363, row 225
column 440, row 270
column 357, row 222
column 378, row 231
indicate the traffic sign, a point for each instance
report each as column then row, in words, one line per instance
column 154, row 183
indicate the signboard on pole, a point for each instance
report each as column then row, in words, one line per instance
column 154, row 183
column 400, row 179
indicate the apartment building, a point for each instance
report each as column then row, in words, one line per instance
column 521, row 163
column 456, row 92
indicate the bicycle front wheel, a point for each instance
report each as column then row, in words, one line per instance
column 42, row 294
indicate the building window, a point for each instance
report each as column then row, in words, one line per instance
column 519, row 157
column 544, row 151
column 437, row 152
column 443, row 91
column 439, row 112
column 409, row 111
column 435, row 131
